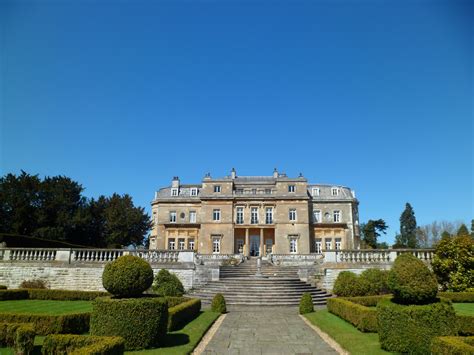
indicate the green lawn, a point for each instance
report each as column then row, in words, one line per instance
column 465, row 309
column 184, row 341
column 346, row 334
column 45, row 307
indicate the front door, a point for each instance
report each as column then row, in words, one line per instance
column 254, row 245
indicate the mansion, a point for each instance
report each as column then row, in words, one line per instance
column 254, row 216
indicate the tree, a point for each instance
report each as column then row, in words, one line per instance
column 462, row 231
column 453, row 263
column 372, row 230
column 472, row 228
column 407, row 237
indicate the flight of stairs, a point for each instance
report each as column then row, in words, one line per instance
column 279, row 286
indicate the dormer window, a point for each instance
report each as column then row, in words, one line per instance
column 194, row 191
column 315, row 191
column 291, row 188
column 174, row 191
column 217, row 188
column 335, row 191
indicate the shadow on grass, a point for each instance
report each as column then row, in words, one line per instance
column 175, row 339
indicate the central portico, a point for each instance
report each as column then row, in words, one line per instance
column 251, row 241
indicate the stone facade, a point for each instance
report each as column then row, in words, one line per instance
column 254, row 215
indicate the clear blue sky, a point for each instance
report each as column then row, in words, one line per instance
column 121, row 96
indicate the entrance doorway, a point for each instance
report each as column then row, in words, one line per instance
column 254, row 245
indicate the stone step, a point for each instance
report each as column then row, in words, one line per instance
column 262, row 289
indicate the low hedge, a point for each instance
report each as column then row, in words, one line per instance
column 3, row 287
column 368, row 301
column 142, row 322
column 175, row 300
column 362, row 317
column 452, row 346
column 458, row 297
column 64, row 344
column 465, row 324
column 19, row 336
column 411, row 328
column 64, row 295
column 6, row 295
column 183, row 313
column 76, row 323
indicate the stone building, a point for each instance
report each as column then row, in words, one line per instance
column 254, row 215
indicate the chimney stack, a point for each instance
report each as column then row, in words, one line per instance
column 175, row 182
column 275, row 173
column 233, row 174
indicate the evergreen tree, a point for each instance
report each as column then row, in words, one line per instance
column 372, row 230
column 408, row 228
column 472, row 228
column 462, row 231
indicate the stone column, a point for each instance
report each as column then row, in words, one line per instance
column 262, row 252
column 247, row 244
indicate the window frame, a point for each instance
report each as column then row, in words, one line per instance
column 192, row 220
column 334, row 191
column 253, row 213
column 216, row 215
column 316, row 220
column 293, row 245
column 267, row 215
column 174, row 192
column 175, row 214
column 294, row 215
column 239, row 212
column 217, row 189
column 193, row 191
column 292, row 188
column 317, row 190
column 171, row 241
column 337, row 213
column 216, row 241
column 318, row 245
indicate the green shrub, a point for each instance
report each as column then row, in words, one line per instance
column 306, row 303
column 368, row 301
column 411, row 282
column 183, row 313
column 363, row 318
column 167, row 284
column 348, row 284
column 6, row 295
column 452, row 346
column 36, row 283
column 376, row 281
column 174, row 301
column 458, row 297
column 465, row 324
column 3, row 287
column 218, row 303
column 410, row 329
column 82, row 345
column 127, row 276
column 142, row 322
column 77, row 323
column 64, row 295
column 19, row 336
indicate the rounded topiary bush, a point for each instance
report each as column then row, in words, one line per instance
column 142, row 322
column 306, row 303
column 348, row 284
column 411, row 282
column 376, row 281
column 218, row 303
column 167, row 284
column 127, row 276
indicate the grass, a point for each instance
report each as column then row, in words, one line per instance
column 346, row 334
column 45, row 307
column 465, row 309
column 183, row 341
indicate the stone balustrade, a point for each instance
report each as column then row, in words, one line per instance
column 156, row 256
column 95, row 255
column 374, row 256
column 29, row 254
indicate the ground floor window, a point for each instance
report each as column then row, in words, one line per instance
column 240, row 246
column 318, row 246
column 269, row 246
column 181, row 244
column 328, row 243
column 216, row 245
column 293, row 245
column 338, row 244
column 171, row 244
column 191, row 244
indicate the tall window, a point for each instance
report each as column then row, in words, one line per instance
column 217, row 188
column 268, row 191
column 191, row 244
column 172, row 216
column 181, row 244
column 291, row 188
column 293, row 245
column 315, row 191
column 338, row 244
column 292, row 214
column 317, row 216
column 334, row 191
column 337, row 216
column 318, row 246
column 328, row 242
column 240, row 246
column 194, row 191
column 216, row 215
column 174, row 192
column 192, row 216
column 254, row 215
column 240, row 215
column 171, row 244
column 216, row 245
column 269, row 215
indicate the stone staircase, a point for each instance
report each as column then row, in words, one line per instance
column 278, row 286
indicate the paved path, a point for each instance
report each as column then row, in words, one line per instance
column 266, row 330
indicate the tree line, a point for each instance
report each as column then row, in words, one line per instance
column 54, row 208
column 411, row 235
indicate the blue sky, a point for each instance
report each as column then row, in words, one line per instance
column 123, row 95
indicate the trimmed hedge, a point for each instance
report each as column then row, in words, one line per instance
column 83, row 345
column 19, row 336
column 348, row 284
column 183, row 313
column 458, row 297
column 410, row 329
column 218, row 303
column 363, row 318
column 3, row 287
column 167, row 284
column 77, row 323
column 375, row 281
column 174, row 301
column 127, row 276
column 368, row 301
column 465, row 324
column 142, row 322
column 452, row 346
column 6, row 295
column 306, row 303
column 64, row 295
